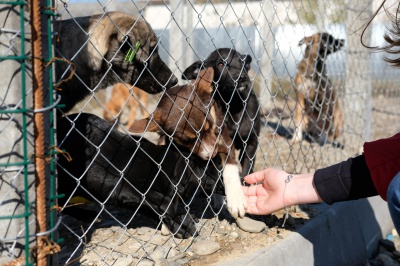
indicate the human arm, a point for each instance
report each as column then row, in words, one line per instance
column 344, row 181
column 273, row 193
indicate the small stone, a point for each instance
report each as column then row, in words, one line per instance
column 159, row 253
column 233, row 236
column 123, row 262
column 164, row 231
column 104, row 232
column 117, row 255
column 223, row 223
column 143, row 230
column 221, row 231
column 162, row 262
column 205, row 247
column 172, row 253
column 145, row 263
column 115, row 228
column 250, row 225
column 132, row 231
column 158, row 240
column 182, row 262
column 279, row 236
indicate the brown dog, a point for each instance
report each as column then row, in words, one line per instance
column 121, row 98
column 191, row 117
column 94, row 55
column 322, row 116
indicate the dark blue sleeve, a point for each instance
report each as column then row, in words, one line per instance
column 348, row 180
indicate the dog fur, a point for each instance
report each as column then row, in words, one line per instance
column 192, row 118
column 234, row 95
column 121, row 98
column 96, row 46
column 315, row 93
column 121, row 170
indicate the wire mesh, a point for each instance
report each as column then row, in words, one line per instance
column 189, row 31
column 17, row 221
column 126, row 220
column 139, row 198
column 19, row 165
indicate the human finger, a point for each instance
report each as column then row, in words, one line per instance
column 250, row 190
column 255, row 177
column 252, row 205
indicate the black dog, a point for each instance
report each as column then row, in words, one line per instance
column 235, row 96
column 117, row 169
column 97, row 47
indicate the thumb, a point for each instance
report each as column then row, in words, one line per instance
column 255, row 177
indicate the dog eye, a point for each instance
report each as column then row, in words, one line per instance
column 220, row 65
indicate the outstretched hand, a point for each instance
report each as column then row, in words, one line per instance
column 267, row 196
column 268, row 192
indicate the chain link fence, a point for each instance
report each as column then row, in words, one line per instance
column 125, row 198
column 27, row 160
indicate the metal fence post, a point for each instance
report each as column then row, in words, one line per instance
column 17, row 221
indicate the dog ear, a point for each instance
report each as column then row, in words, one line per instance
column 192, row 71
column 144, row 125
column 307, row 40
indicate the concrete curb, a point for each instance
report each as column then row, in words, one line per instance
column 344, row 234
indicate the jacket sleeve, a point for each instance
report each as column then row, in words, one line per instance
column 383, row 160
column 348, row 180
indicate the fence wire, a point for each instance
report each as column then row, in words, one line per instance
column 275, row 35
column 17, row 217
column 23, row 242
column 145, row 198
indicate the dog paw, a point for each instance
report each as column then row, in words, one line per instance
column 235, row 200
column 236, row 204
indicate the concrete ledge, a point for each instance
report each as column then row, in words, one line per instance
column 344, row 234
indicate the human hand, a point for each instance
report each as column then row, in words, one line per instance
column 268, row 196
column 273, row 193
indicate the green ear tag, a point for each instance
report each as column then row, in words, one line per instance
column 131, row 54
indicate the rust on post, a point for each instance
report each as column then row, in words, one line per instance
column 39, row 146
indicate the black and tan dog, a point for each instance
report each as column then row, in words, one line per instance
column 315, row 93
column 98, row 46
column 109, row 167
column 190, row 115
column 234, row 94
